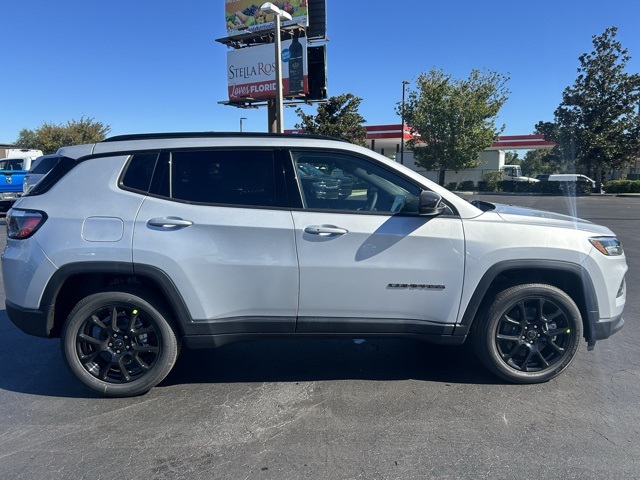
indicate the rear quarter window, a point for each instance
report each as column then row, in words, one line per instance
column 139, row 172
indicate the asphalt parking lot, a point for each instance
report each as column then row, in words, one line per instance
column 336, row 409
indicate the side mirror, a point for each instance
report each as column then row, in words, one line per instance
column 430, row 204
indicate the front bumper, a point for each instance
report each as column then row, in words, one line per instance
column 602, row 329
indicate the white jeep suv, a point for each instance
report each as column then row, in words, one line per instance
column 133, row 246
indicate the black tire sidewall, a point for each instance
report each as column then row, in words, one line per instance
column 163, row 364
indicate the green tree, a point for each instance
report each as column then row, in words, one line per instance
column 512, row 158
column 338, row 118
column 453, row 120
column 49, row 137
column 536, row 162
column 597, row 125
column 27, row 139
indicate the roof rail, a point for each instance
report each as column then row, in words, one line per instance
column 170, row 135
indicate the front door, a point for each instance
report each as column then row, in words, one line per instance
column 368, row 262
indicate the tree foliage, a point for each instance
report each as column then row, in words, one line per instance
column 453, row 120
column 49, row 137
column 597, row 125
column 338, row 118
column 512, row 158
column 536, row 162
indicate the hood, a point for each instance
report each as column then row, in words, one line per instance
column 529, row 216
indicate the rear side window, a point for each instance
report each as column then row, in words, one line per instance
column 223, row 177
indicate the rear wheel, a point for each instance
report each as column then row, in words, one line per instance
column 119, row 343
column 529, row 334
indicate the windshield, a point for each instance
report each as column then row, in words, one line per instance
column 11, row 164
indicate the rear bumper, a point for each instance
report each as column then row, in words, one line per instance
column 32, row 322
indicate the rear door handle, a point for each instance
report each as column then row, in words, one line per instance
column 169, row 223
column 325, row 230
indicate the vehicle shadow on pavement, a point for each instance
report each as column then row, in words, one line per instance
column 293, row 360
column 34, row 366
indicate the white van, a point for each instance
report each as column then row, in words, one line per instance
column 23, row 153
column 571, row 177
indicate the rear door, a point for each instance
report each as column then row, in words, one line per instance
column 215, row 225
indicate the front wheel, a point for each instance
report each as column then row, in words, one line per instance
column 118, row 343
column 529, row 334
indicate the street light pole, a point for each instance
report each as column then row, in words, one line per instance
column 404, row 84
column 278, row 14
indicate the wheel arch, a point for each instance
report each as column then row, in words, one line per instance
column 571, row 278
column 75, row 281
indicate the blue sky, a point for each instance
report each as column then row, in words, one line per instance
column 147, row 66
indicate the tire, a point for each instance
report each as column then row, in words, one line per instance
column 123, row 358
column 529, row 333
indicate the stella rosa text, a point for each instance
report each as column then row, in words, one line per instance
column 252, row 71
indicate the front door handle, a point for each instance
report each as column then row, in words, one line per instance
column 170, row 223
column 325, row 230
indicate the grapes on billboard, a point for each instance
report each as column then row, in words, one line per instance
column 245, row 16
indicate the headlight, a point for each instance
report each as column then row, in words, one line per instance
column 607, row 245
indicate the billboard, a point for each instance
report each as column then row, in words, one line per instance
column 251, row 72
column 244, row 16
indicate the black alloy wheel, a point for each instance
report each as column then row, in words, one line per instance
column 529, row 334
column 118, row 343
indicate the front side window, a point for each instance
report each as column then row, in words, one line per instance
column 338, row 181
column 225, row 177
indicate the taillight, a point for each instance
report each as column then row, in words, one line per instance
column 22, row 224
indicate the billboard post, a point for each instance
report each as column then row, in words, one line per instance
column 279, row 15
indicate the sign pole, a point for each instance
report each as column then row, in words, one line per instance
column 279, row 101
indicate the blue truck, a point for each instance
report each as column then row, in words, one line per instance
column 12, row 172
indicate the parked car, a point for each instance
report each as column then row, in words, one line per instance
column 12, row 172
column 571, row 182
column 318, row 185
column 346, row 182
column 571, row 177
column 39, row 168
column 138, row 244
